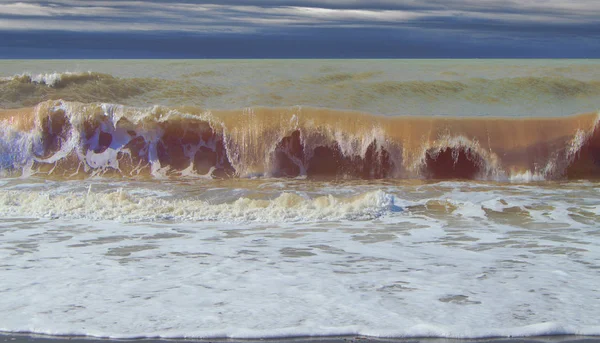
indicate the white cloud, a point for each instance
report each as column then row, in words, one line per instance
column 38, row 10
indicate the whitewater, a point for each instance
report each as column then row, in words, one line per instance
column 254, row 199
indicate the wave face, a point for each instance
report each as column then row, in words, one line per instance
column 72, row 140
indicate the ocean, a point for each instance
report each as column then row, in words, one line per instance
column 255, row 199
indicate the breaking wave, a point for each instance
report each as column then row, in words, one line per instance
column 58, row 80
column 63, row 139
column 30, row 89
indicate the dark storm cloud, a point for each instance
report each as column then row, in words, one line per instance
column 269, row 15
column 456, row 25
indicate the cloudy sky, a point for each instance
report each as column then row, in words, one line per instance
column 300, row 28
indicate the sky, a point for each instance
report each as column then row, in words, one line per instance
column 300, row 29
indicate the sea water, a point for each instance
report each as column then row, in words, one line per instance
column 270, row 199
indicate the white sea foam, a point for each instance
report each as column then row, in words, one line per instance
column 48, row 79
column 128, row 206
column 15, row 149
column 527, row 176
column 475, row 268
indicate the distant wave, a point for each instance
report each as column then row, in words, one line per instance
column 476, row 90
column 57, row 80
column 30, row 89
column 358, row 90
column 342, row 77
column 69, row 139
